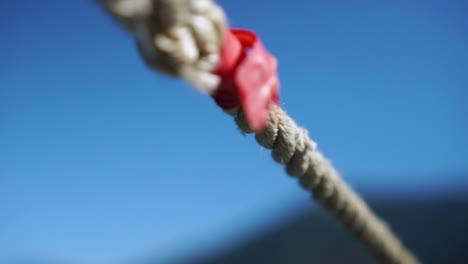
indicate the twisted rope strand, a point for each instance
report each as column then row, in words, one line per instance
column 183, row 38
column 292, row 147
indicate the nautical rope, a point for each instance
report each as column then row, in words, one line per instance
column 292, row 146
column 183, row 38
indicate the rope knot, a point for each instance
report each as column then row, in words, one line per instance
column 180, row 38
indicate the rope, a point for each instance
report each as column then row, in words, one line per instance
column 183, row 38
column 291, row 146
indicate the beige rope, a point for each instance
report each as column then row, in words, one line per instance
column 183, row 38
column 292, row 147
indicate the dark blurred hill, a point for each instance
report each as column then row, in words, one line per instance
column 435, row 229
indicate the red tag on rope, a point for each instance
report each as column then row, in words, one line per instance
column 248, row 77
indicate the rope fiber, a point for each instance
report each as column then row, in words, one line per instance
column 183, row 38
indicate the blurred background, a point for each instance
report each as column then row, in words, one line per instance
column 104, row 161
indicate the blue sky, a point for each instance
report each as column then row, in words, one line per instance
column 105, row 161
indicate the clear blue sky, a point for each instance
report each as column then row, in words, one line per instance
column 102, row 160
